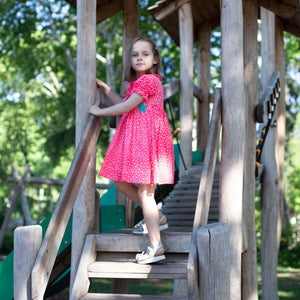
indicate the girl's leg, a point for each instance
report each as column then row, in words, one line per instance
column 131, row 191
column 151, row 214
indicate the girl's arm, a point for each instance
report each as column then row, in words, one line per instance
column 113, row 97
column 123, row 107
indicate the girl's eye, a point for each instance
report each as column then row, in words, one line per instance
column 134, row 55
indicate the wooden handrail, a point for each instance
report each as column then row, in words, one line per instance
column 205, row 190
column 46, row 256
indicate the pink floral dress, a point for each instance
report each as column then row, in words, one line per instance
column 141, row 150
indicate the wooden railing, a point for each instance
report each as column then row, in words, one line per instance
column 63, row 209
column 204, row 193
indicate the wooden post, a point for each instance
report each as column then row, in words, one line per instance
column 186, row 82
column 130, row 32
column 203, row 67
column 249, row 257
column 270, row 187
column 280, row 66
column 27, row 242
column 214, row 262
column 84, row 209
column 233, row 134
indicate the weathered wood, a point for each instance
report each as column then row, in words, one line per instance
column 63, row 208
column 203, row 67
column 126, row 241
column 280, row 65
column 204, row 193
column 13, row 201
column 168, row 9
column 131, row 296
column 249, row 263
column 214, row 262
column 233, row 134
column 171, row 89
column 27, row 241
column 82, row 282
column 86, row 91
column 186, row 83
column 105, row 269
column 106, row 10
column 270, row 188
column 280, row 8
column 50, row 181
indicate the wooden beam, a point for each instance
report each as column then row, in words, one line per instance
column 280, row 8
column 86, row 91
column 269, row 186
column 108, row 9
column 186, row 80
column 249, row 257
column 168, row 9
column 233, row 134
column 203, row 67
column 281, row 120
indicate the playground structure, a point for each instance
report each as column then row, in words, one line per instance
column 232, row 240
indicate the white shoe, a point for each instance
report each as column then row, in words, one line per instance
column 149, row 257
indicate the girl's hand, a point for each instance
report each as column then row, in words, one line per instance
column 95, row 110
column 101, row 84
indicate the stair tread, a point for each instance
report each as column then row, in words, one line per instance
column 130, row 269
column 92, row 296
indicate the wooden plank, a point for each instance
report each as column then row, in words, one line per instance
column 91, row 296
column 214, row 261
column 135, row 269
column 120, row 242
column 249, row 264
column 81, row 281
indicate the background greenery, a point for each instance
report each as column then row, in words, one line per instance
column 37, row 101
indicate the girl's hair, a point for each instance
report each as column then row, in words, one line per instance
column 130, row 74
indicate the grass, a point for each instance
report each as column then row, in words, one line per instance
column 288, row 283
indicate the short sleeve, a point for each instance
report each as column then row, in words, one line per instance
column 146, row 86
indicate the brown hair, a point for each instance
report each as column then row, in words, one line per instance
column 130, row 74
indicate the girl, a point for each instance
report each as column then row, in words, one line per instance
column 141, row 150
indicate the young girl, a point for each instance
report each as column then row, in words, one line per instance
column 141, row 151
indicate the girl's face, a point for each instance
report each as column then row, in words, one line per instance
column 142, row 57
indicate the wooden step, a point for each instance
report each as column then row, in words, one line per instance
column 124, row 241
column 104, row 269
column 91, row 296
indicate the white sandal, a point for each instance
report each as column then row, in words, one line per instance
column 148, row 257
column 141, row 227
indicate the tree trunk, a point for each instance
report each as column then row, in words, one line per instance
column 13, row 203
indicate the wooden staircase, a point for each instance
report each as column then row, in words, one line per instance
column 181, row 202
column 112, row 255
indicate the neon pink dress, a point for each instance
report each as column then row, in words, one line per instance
column 141, row 150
